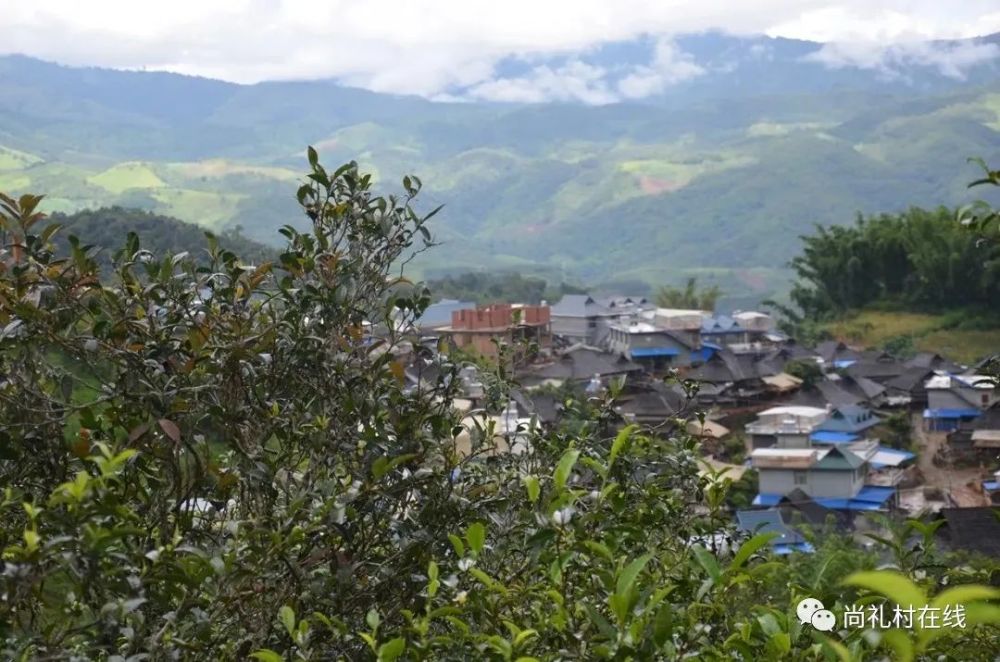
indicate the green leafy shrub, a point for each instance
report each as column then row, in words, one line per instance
column 216, row 461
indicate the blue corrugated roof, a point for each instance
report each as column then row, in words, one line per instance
column 766, row 499
column 874, row 494
column 952, row 413
column 905, row 455
column 803, row 547
column 640, row 352
column 871, row 497
column 844, row 363
column 991, row 485
column 703, row 354
column 829, row 437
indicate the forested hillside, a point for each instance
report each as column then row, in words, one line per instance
column 691, row 183
column 106, row 229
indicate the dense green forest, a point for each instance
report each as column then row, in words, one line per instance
column 105, row 229
column 208, row 463
column 922, row 260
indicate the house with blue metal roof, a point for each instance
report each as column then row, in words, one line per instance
column 651, row 346
column 834, row 476
column 955, row 399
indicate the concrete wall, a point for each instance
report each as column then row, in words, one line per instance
column 573, row 328
column 818, row 484
column 793, row 441
column 646, row 340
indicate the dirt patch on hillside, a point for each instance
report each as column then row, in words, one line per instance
column 655, row 186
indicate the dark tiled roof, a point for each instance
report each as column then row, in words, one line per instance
column 585, row 362
column 543, row 405
column 768, row 521
column 932, row 361
column 973, row 529
column 879, row 371
column 911, row 381
column 990, row 420
column 655, row 401
column 574, row 305
column 725, row 366
column 798, row 503
column 862, row 387
column 825, row 393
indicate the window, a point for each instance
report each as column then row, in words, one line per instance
column 986, row 399
column 800, row 477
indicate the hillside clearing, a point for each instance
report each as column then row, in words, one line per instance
column 929, row 333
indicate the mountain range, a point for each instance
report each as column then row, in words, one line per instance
column 631, row 164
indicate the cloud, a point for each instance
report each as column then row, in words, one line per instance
column 669, row 66
column 950, row 59
column 575, row 81
column 435, row 47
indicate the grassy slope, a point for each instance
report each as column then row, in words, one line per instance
column 929, row 333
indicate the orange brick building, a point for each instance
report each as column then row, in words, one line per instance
column 475, row 329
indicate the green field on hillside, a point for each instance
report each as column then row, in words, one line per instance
column 930, row 333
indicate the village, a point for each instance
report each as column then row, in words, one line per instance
column 827, row 436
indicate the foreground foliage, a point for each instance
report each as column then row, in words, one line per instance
column 216, row 461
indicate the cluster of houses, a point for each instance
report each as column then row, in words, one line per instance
column 812, row 437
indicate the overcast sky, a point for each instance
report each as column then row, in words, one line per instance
column 427, row 46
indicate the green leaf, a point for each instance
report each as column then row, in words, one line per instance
column 630, row 573
column 900, row 643
column 287, row 617
column 372, row 619
column 267, row 655
column 891, row 584
column 748, row 548
column 475, row 535
column 839, row 649
column 961, row 595
column 599, row 548
column 391, row 650
column 533, row 488
column 565, row 466
column 779, row 645
column 663, row 625
column 602, row 623
column 707, row 561
column 621, row 439
column 313, row 156
column 457, row 543
column 523, row 636
column 384, row 464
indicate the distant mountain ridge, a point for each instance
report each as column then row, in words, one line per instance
column 715, row 176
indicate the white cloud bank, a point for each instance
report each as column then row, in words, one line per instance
column 429, row 47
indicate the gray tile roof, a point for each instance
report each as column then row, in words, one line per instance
column 581, row 362
column 973, row 529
